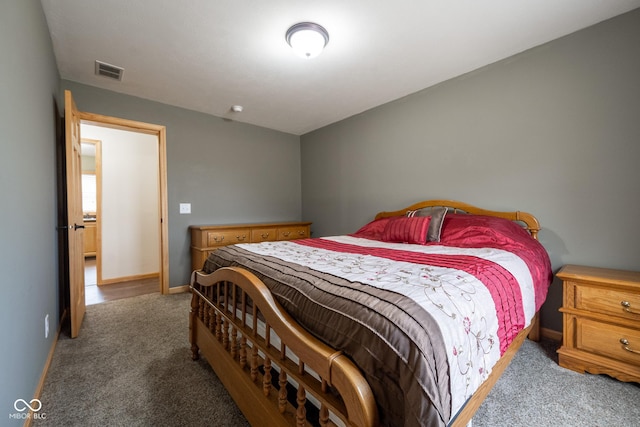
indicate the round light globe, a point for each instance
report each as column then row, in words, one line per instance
column 307, row 39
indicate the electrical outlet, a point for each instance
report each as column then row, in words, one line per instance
column 46, row 326
column 185, row 208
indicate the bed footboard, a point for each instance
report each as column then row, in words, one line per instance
column 277, row 372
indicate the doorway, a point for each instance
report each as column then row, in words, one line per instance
column 110, row 285
column 98, row 290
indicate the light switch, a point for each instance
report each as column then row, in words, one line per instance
column 185, row 208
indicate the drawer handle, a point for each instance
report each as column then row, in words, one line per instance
column 218, row 239
column 301, row 233
column 627, row 307
column 241, row 238
column 286, row 233
column 625, row 345
column 264, row 235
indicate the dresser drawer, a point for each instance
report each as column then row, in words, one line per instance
column 290, row 233
column 264, row 234
column 607, row 301
column 604, row 339
column 227, row 237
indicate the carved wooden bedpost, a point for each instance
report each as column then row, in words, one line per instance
column 192, row 327
column 193, row 324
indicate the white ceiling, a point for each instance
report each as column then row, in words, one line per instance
column 207, row 55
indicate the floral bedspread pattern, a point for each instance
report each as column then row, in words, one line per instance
column 459, row 308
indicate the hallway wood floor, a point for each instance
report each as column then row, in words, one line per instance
column 95, row 294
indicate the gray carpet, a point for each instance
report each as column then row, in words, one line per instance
column 131, row 366
column 536, row 391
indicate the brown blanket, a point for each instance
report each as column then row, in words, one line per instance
column 397, row 344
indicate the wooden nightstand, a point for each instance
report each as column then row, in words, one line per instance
column 601, row 321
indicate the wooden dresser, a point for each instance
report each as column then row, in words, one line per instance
column 601, row 321
column 207, row 238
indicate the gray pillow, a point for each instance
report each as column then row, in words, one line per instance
column 437, row 214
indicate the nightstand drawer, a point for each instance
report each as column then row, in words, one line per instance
column 601, row 321
column 605, row 339
column 607, row 301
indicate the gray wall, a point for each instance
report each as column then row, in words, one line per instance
column 554, row 131
column 28, row 246
column 230, row 172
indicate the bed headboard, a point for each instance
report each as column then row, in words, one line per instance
column 530, row 222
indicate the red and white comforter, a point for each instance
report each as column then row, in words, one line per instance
column 446, row 313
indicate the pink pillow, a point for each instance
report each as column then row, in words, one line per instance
column 373, row 230
column 481, row 231
column 477, row 231
column 407, row 230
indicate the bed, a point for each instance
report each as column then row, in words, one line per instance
column 409, row 320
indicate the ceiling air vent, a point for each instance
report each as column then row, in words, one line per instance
column 108, row 70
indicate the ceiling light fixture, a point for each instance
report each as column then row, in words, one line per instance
column 307, row 39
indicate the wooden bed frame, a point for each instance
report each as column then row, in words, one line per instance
column 272, row 367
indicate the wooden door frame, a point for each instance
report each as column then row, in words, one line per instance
column 160, row 132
